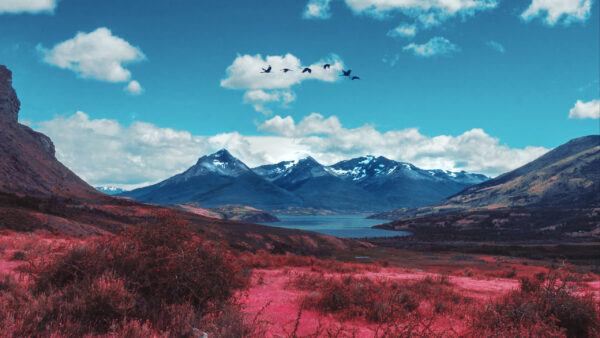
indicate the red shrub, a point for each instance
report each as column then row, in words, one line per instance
column 158, row 272
column 378, row 301
column 539, row 308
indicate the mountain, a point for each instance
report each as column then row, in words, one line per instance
column 216, row 180
column 567, row 176
column 363, row 184
column 403, row 184
column 318, row 187
column 110, row 190
column 28, row 165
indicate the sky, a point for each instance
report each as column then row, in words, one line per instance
column 132, row 92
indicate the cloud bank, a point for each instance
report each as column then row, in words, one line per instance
column 98, row 55
column 27, row 6
column 426, row 13
column 106, row 152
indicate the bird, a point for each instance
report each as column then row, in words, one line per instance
column 346, row 72
column 326, row 66
column 307, row 70
column 355, row 78
column 268, row 70
column 285, row 70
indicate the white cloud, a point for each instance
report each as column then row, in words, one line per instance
column 104, row 151
column 314, row 124
column 97, row 55
column 496, row 46
column 27, row 6
column 391, row 59
column 442, row 7
column 134, row 88
column 327, row 140
column 403, row 30
column 259, row 99
column 553, row 10
column 426, row 12
column 585, row 110
column 246, row 72
column 317, row 9
column 436, row 46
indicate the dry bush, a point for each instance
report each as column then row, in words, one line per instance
column 263, row 259
column 378, row 301
column 540, row 308
column 158, row 277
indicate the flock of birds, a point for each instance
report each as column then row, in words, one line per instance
column 309, row 71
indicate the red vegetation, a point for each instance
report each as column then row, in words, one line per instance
column 543, row 306
column 162, row 280
column 378, row 301
column 161, row 275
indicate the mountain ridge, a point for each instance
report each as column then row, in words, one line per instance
column 305, row 183
column 568, row 175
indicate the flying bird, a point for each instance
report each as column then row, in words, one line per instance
column 268, row 70
column 326, row 66
column 346, row 72
column 307, row 70
column 355, row 78
column 285, row 70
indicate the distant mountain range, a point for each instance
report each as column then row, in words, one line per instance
column 364, row 184
column 567, row 176
column 110, row 190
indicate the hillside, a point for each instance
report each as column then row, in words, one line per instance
column 568, row 176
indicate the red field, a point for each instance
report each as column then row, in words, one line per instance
column 46, row 289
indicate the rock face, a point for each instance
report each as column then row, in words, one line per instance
column 28, row 165
column 9, row 103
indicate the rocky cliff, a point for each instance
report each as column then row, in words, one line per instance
column 28, row 165
column 9, row 103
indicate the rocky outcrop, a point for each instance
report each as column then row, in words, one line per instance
column 9, row 103
column 28, row 164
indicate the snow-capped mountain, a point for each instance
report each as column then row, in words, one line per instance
column 110, row 190
column 217, row 180
column 220, row 163
column 361, row 184
column 291, row 173
column 369, row 167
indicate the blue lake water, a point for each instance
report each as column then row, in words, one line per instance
column 346, row 226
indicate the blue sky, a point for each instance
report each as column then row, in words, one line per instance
column 486, row 68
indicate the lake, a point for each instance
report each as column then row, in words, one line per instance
column 345, row 226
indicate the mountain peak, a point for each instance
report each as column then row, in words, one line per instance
column 221, row 162
column 9, row 103
column 309, row 160
column 223, row 152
